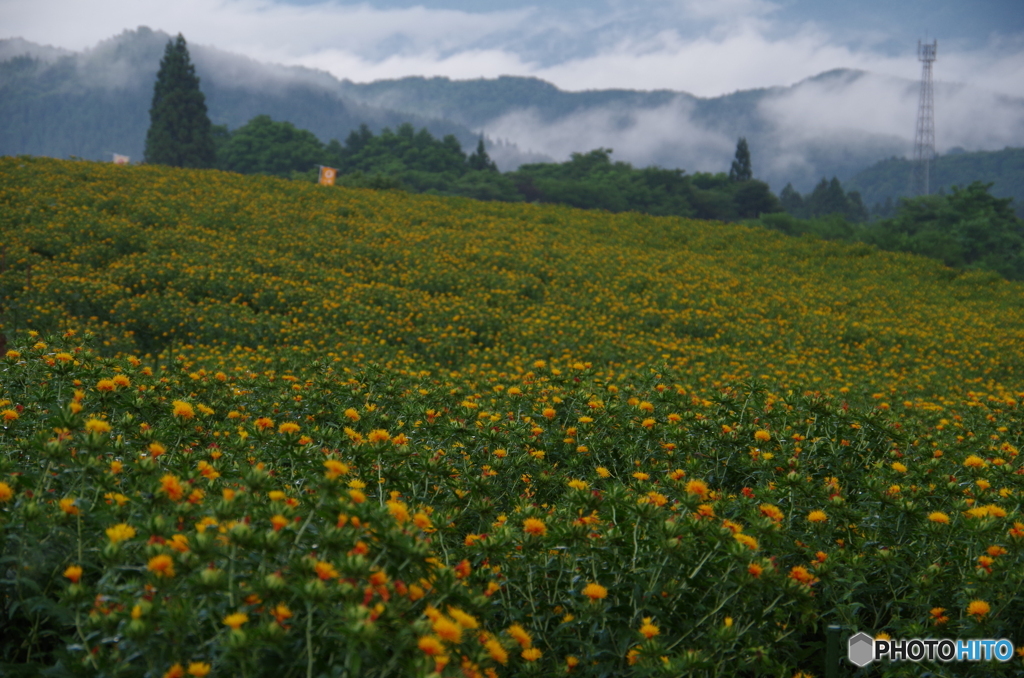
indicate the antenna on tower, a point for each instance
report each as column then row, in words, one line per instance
column 924, row 140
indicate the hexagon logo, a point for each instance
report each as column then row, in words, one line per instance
column 860, row 649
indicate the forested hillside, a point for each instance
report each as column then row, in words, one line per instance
column 885, row 182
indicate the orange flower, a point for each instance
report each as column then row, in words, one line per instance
column 171, row 486
column 325, row 570
column 496, row 651
column 800, row 574
column 978, row 609
column 120, row 532
column 97, row 426
column 235, row 620
column 263, row 423
column 74, row 573
column 754, row 570
column 335, row 469
column 67, row 505
column 399, row 511
column 431, row 645
column 278, row 522
column 531, row 654
column 595, row 591
column 183, row 410
column 762, row 436
column 772, row 512
column 520, row 635
column 447, row 629
column 746, row 540
column 648, row 630
column 697, row 487
column 161, row 566
column 535, row 526
column 817, row 516
column 378, row 436
column 6, row 493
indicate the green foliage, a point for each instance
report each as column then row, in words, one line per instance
column 179, row 131
column 827, row 198
column 967, row 229
column 263, row 146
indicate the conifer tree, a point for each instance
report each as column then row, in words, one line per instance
column 179, row 128
column 741, row 170
column 479, row 160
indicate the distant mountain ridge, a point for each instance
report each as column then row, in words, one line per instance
column 96, row 102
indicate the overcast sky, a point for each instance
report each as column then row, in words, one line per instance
column 705, row 47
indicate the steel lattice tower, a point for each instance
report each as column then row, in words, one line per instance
column 924, row 140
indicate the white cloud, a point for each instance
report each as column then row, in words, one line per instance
column 740, row 44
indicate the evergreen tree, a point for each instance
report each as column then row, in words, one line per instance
column 792, row 201
column 741, row 170
column 179, row 128
column 479, row 160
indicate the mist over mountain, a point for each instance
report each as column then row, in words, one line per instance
column 96, row 102
column 836, row 123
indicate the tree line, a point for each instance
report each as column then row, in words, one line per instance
column 966, row 228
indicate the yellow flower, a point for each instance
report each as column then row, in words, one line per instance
column 422, row 521
column 183, row 410
column 595, row 591
column 378, row 436
column 351, row 414
column 535, row 526
column 235, row 620
column 97, row 426
column 198, row 669
column 496, row 651
column 335, row 468
column 399, row 511
column 447, row 629
column 67, row 505
column 938, row 517
column 6, row 493
column 9, row 415
column 648, row 630
column 898, row 467
column 520, row 635
column 762, row 436
column 106, row 385
column 697, row 487
column 772, row 512
column 974, row 461
column 431, row 645
column 978, row 609
column 531, row 654
column 746, row 540
column 74, row 573
column 120, row 532
column 161, row 565
column 466, row 621
column 817, row 516
column 289, row 427
column 578, row 484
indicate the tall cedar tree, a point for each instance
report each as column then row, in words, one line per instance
column 741, row 170
column 179, row 128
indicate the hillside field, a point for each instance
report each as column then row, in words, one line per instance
column 259, row 427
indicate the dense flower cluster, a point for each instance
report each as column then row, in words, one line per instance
column 703, row 468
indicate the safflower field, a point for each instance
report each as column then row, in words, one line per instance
column 256, row 427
